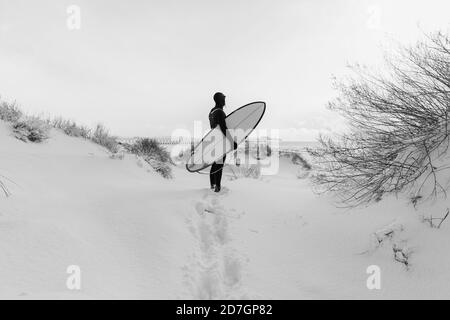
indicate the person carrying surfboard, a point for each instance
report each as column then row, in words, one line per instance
column 217, row 118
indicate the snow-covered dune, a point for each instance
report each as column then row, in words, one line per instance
column 73, row 205
column 136, row 235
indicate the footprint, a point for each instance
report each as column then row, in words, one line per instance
column 200, row 208
column 215, row 269
column 232, row 270
column 221, row 228
column 209, row 284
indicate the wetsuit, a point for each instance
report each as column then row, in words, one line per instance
column 217, row 118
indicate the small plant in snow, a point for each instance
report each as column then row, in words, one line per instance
column 154, row 154
column 151, row 148
column 162, row 168
column 402, row 254
column 102, row 137
column 387, row 233
column 9, row 111
column 30, row 129
column 71, row 128
column 435, row 222
column 416, row 199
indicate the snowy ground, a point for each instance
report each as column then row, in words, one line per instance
column 137, row 235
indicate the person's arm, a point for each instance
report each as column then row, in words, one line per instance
column 224, row 129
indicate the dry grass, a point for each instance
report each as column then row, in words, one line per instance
column 70, row 128
column 154, row 154
column 9, row 112
column 30, row 129
column 35, row 129
column 102, row 137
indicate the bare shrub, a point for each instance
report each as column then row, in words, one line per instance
column 398, row 126
column 30, row 129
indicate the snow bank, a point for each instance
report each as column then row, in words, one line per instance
column 73, row 205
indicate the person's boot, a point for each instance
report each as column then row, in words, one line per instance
column 213, row 187
column 217, row 188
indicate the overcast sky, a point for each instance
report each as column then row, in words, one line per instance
column 146, row 67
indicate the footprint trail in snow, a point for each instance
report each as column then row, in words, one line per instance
column 215, row 269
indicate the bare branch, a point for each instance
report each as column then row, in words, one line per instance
column 398, row 126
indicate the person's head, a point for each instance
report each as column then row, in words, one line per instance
column 219, row 99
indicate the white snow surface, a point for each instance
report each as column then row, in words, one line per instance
column 136, row 235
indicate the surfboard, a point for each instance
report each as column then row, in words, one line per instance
column 214, row 145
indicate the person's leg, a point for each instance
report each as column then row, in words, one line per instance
column 218, row 177
column 212, row 175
